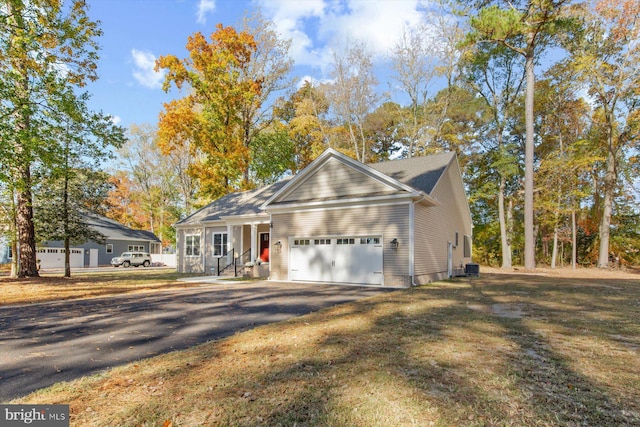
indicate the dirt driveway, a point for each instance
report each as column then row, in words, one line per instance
column 42, row 344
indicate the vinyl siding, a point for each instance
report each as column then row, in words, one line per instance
column 389, row 221
column 209, row 260
column 189, row 264
column 436, row 226
column 336, row 180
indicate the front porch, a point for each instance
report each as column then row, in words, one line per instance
column 243, row 249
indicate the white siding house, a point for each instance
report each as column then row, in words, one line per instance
column 397, row 223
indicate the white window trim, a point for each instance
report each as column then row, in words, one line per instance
column 109, row 248
column 225, row 244
column 186, row 244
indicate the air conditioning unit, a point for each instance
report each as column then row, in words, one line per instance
column 472, row 269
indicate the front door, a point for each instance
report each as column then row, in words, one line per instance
column 264, row 247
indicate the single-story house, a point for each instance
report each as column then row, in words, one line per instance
column 397, row 223
column 117, row 239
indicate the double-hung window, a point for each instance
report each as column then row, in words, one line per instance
column 192, row 245
column 219, row 244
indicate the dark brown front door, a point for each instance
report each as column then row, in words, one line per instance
column 264, row 247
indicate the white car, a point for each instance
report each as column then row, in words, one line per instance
column 128, row 259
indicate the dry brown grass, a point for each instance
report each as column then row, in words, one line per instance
column 502, row 349
column 52, row 287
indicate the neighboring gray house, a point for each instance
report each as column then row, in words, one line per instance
column 118, row 239
column 5, row 251
column 397, row 223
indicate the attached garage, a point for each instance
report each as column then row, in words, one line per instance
column 344, row 259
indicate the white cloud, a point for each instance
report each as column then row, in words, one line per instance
column 116, row 120
column 314, row 81
column 316, row 27
column 143, row 72
column 205, row 7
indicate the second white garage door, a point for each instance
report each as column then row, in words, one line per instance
column 350, row 259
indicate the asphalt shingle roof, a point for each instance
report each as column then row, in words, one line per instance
column 421, row 173
column 244, row 203
column 114, row 230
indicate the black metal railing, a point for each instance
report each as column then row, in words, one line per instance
column 229, row 264
column 245, row 257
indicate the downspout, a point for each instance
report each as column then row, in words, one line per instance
column 412, row 241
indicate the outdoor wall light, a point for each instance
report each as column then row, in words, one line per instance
column 278, row 246
column 395, row 243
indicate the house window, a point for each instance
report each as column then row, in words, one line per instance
column 109, row 248
column 301, row 242
column 467, row 246
column 346, row 241
column 219, row 244
column 369, row 240
column 455, row 245
column 322, row 242
column 136, row 248
column 192, row 245
column 10, row 253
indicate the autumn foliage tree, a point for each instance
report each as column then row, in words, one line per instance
column 209, row 117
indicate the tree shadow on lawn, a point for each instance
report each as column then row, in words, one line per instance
column 494, row 350
column 469, row 355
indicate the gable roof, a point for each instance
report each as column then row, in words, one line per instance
column 417, row 176
column 111, row 229
column 234, row 204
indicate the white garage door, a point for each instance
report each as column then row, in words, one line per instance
column 54, row 257
column 350, row 259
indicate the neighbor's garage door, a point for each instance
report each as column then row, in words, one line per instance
column 356, row 259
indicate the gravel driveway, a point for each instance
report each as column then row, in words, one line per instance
column 41, row 344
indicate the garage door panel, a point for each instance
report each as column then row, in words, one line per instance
column 344, row 260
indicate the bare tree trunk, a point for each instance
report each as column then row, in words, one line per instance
column 529, row 236
column 574, row 241
column 15, row 264
column 27, row 266
column 505, row 238
column 605, row 222
column 67, row 257
column 554, row 251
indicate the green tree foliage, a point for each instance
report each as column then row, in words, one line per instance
column 273, row 155
column 64, row 203
column 497, row 75
column 525, row 27
column 565, row 160
column 48, row 53
column 606, row 57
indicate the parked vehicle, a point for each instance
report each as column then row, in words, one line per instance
column 135, row 259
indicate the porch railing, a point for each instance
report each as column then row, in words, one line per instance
column 245, row 257
column 233, row 262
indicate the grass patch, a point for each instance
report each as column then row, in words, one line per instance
column 501, row 349
column 53, row 287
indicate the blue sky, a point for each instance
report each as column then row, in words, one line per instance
column 136, row 32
